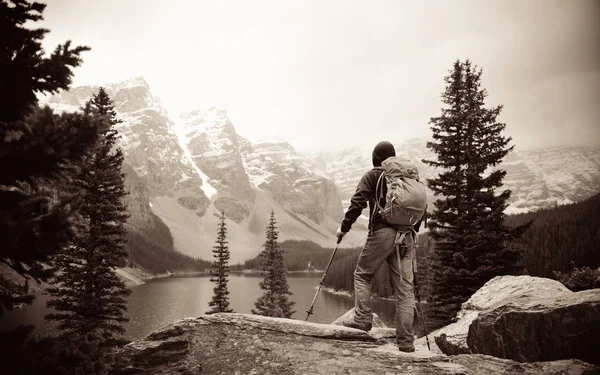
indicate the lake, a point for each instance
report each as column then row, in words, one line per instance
column 162, row 301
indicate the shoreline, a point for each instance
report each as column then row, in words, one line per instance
column 258, row 272
column 136, row 276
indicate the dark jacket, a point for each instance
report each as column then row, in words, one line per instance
column 365, row 195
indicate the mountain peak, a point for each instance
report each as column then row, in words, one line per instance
column 129, row 83
column 212, row 120
column 275, row 145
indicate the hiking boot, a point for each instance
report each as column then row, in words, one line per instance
column 362, row 326
column 406, row 350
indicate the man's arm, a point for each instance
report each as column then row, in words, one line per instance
column 358, row 202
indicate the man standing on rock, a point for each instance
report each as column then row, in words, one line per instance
column 379, row 247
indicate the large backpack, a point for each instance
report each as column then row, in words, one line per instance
column 406, row 197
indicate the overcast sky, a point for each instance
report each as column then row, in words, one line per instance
column 334, row 73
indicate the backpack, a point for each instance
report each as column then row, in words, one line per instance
column 406, row 198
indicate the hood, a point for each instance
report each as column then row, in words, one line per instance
column 382, row 151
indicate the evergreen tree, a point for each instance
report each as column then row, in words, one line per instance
column 88, row 296
column 36, row 146
column 472, row 244
column 274, row 300
column 219, row 272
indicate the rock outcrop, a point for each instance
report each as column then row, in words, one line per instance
column 527, row 319
column 534, row 328
column 452, row 339
column 247, row 344
column 137, row 200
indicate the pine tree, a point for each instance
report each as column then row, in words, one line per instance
column 88, row 296
column 36, row 146
column 219, row 272
column 274, row 300
column 472, row 244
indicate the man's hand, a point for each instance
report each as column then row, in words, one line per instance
column 339, row 234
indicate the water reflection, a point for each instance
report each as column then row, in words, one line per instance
column 160, row 302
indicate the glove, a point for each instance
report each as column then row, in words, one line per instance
column 339, row 234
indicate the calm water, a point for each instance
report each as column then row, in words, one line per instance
column 160, row 302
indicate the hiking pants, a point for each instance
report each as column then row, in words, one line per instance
column 379, row 248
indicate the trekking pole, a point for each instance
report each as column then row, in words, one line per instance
column 422, row 313
column 417, row 294
column 310, row 311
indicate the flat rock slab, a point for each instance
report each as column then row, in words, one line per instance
column 249, row 344
column 291, row 326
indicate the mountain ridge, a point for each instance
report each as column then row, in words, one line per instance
column 196, row 164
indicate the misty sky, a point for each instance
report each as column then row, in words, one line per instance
column 336, row 73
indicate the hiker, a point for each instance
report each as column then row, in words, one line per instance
column 393, row 243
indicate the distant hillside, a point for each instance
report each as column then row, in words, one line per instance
column 150, row 244
column 561, row 237
column 298, row 254
column 341, row 274
column 152, row 250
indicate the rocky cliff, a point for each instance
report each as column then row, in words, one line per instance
column 191, row 167
column 147, row 136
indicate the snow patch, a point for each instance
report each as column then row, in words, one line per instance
column 206, row 187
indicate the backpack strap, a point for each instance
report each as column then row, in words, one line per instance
column 376, row 198
column 400, row 236
column 379, row 192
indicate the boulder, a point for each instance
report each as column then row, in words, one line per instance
column 250, row 344
column 541, row 328
column 452, row 339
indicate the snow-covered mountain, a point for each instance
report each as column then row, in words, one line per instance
column 537, row 178
column 146, row 136
column 194, row 166
column 188, row 168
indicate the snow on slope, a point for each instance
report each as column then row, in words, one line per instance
column 196, row 165
column 183, row 140
column 537, row 178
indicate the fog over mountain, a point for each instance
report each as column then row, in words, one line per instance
column 337, row 73
column 187, row 168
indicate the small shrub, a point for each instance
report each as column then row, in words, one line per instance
column 580, row 278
